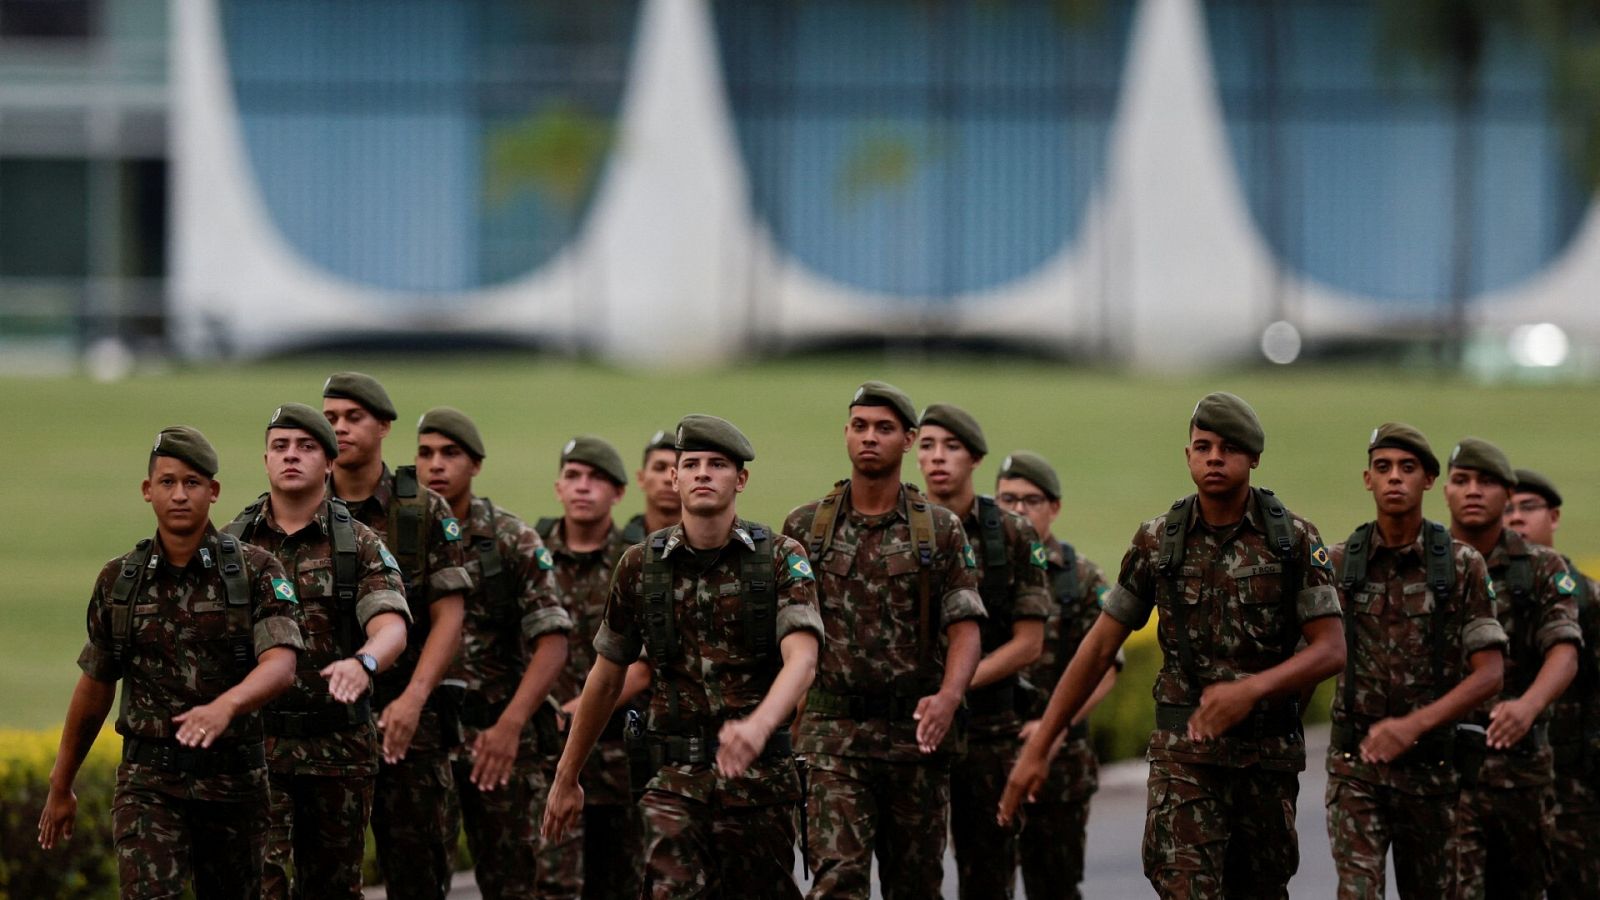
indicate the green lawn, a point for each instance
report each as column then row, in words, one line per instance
column 74, row 499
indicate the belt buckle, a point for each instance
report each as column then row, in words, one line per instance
column 165, row 758
column 696, row 747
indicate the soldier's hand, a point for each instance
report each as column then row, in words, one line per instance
column 1027, row 774
column 1223, row 704
column 739, row 742
column 398, row 722
column 934, row 714
column 347, row 680
column 562, row 808
column 58, row 817
column 202, row 725
column 494, row 751
column 1028, row 728
column 1508, row 722
column 1388, row 739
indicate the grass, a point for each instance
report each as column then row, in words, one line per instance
column 73, row 501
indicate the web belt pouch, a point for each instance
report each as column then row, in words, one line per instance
column 445, row 702
column 1537, row 738
column 476, row 710
column 994, row 700
column 641, row 768
column 168, row 755
column 547, row 734
column 1471, row 748
column 310, row 723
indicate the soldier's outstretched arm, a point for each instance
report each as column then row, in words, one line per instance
column 1083, row 675
column 1224, row 704
column 741, row 741
column 1511, row 719
column 398, row 721
column 386, row 640
column 599, row 698
column 495, row 748
column 91, row 702
column 202, row 725
column 1388, row 739
column 1020, row 650
column 935, row 712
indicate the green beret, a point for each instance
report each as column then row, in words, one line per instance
column 1531, row 482
column 697, row 432
column 303, row 417
column 1033, row 468
column 878, row 393
column 1400, row 436
column 1479, row 454
column 959, row 423
column 363, row 389
column 455, row 425
column 665, row 439
column 1232, row 418
column 592, row 451
column 184, row 443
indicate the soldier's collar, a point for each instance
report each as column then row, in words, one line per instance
column 205, row 556
column 675, row 538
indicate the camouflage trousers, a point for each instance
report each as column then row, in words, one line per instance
column 1366, row 819
column 613, row 851
column 415, row 820
column 858, row 807
column 1051, row 848
column 1216, row 831
column 164, row 839
column 986, row 852
column 502, row 828
column 316, row 824
column 1503, row 838
column 1577, row 862
column 696, row 849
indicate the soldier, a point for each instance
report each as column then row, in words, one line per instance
column 606, row 847
column 1423, row 648
column 1239, row 581
column 1054, row 829
column 322, row 748
column 1535, row 513
column 874, row 730
column 414, row 813
column 1512, row 807
column 1015, row 592
column 727, row 612
column 202, row 630
column 513, row 645
column 662, row 507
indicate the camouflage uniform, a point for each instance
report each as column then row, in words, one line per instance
column 505, row 614
column 414, row 814
column 1055, row 826
column 1393, row 622
column 1013, row 586
column 1575, row 740
column 872, row 790
column 711, row 836
column 1221, row 813
column 322, row 754
column 608, row 843
column 199, row 813
column 1512, row 808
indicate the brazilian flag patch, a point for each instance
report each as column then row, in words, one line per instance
column 968, row 557
column 545, row 560
column 452, row 530
column 1320, row 558
column 284, row 590
column 799, row 567
column 1037, row 557
column 1566, row 585
column 1488, row 584
column 388, row 558
column 1100, row 595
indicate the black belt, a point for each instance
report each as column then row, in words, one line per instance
column 310, row 723
column 690, row 750
column 1437, row 747
column 994, row 700
column 860, row 707
column 1262, row 722
column 168, row 755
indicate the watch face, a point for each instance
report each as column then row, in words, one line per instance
column 368, row 662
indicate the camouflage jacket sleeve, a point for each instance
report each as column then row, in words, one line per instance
column 797, row 591
column 381, row 587
column 797, row 524
column 1480, row 630
column 621, row 636
column 1131, row 600
column 1030, row 570
column 447, row 573
column 1557, row 589
column 542, row 612
column 955, row 567
column 276, row 614
column 1095, row 589
column 96, row 659
column 1318, row 597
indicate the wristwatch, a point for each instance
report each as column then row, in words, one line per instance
column 368, row 662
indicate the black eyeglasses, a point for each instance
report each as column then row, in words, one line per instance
column 1031, row 501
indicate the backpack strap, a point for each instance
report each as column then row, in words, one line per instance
column 1352, row 573
column 1066, row 588
column 1280, row 537
column 408, row 525
column 346, row 575
column 660, row 625
column 492, row 571
column 546, row 526
column 995, row 586
column 760, row 597
column 920, row 515
column 1170, row 565
column 236, row 585
column 1441, row 569
column 241, row 523
column 827, row 513
column 122, row 591
column 633, row 532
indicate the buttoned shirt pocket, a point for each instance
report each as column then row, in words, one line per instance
column 1263, row 612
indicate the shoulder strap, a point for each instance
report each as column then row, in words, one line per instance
column 408, row 525
column 760, row 594
column 346, row 574
column 1170, row 564
column 1519, row 575
column 1280, row 536
column 122, row 591
column 1352, row 573
column 920, row 516
column 1066, row 588
column 236, row 584
column 633, row 532
column 492, row 572
column 545, row 526
column 1440, row 566
column 827, row 513
column 995, row 587
column 241, row 523
column 659, row 624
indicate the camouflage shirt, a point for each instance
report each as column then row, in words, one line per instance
column 308, row 554
column 583, row 581
column 713, row 676
column 1533, row 625
column 1575, row 717
column 869, row 593
column 181, row 652
column 1239, row 621
column 1021, row 592
column 445, row 567
column 1392, row 615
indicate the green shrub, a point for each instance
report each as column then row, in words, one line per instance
column 85, row 866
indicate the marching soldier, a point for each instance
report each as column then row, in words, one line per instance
column 662, row 508
column 726, row 611
column 1015, row 592
column 1240, row 581
column 414, row 812
column 322, row 747
column 202, row 630
column 899, row 595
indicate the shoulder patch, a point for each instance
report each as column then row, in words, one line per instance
column 284, row 590
column 1320, row 558
column 388, row 558
column 1488, row 585
column 1566, row 585
column 452, row 530
column 968, row 557
column 799, row 567
column 1036, row 555
column 1100, row 595
column 544, row 559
